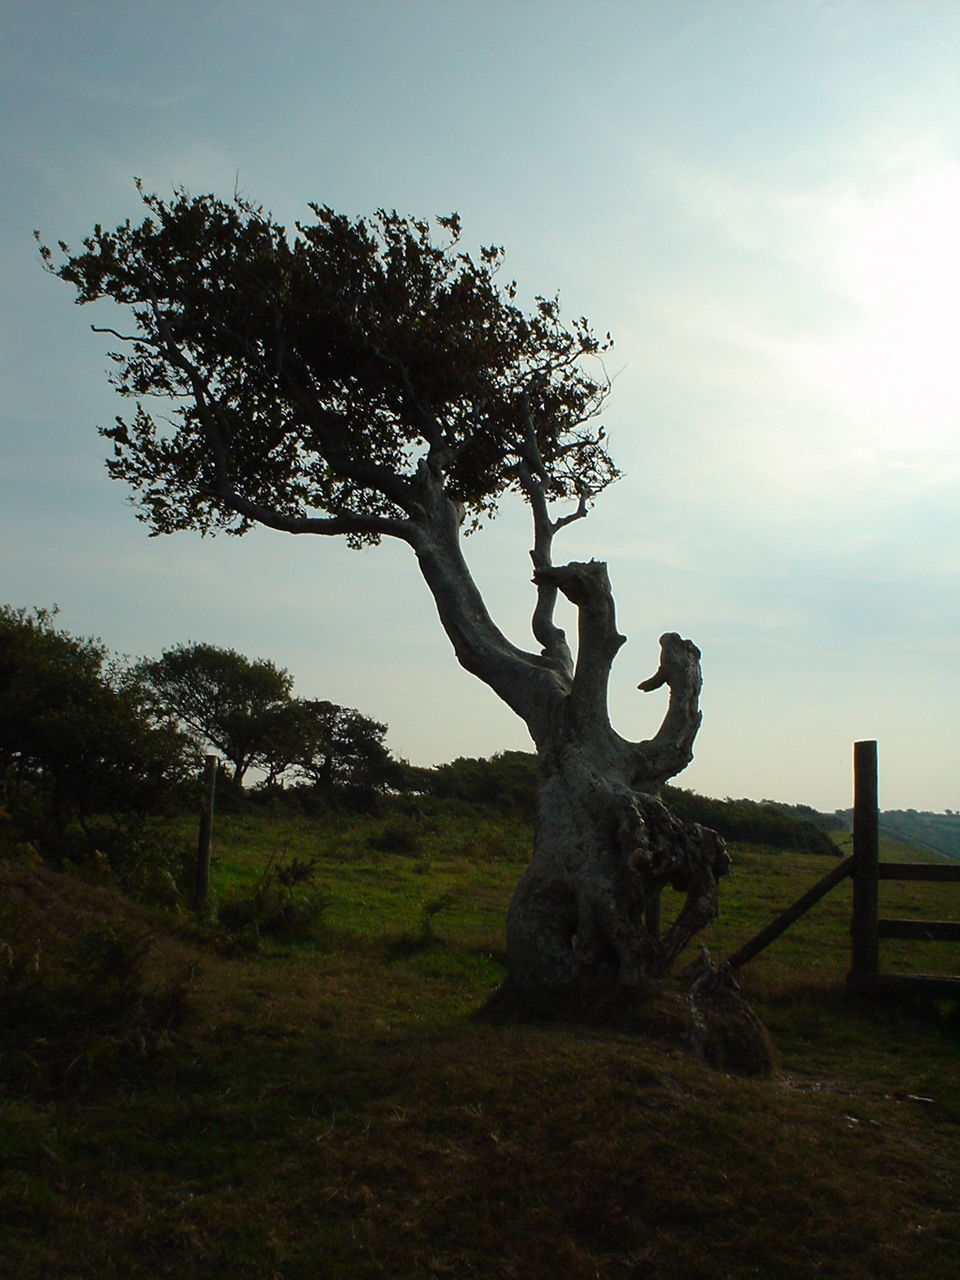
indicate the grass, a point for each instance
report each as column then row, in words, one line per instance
column 330, row 1108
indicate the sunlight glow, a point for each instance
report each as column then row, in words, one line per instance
column 900, row 262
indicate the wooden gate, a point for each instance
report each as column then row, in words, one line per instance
column 867, row 927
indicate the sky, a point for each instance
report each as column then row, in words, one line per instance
column 759, row 198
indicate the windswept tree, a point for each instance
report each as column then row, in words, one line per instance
column 366, row 379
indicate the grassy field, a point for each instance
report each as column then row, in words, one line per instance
column 326, row 1105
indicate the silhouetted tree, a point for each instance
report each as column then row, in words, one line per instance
column 238, row 705
column 357, row 378
column 345, row 751
column 76, row 737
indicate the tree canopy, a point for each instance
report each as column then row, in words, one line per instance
column 235, row 704
column 313, row 372
column 344, row 751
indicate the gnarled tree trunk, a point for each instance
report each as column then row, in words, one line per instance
column 585, row 915
column 587, row 909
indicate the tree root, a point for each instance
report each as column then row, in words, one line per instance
column 705, row 1016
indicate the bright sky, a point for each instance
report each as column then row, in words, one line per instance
column 760, row 198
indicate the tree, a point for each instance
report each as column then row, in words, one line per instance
column 367, row 378
column 344, row 751
column 76, row 739
column 239, row 706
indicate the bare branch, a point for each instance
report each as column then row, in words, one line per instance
column 126, row 337
column 582, row 510
column 587, row 586
column 671, row 750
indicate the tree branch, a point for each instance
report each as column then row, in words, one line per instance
column 126, row 337
column 368, row 474
column 344, row 524
column 530, row 684
column 587, row 586
column 532, row 476
column 671, row 750
column 545, row 630
column 225, row 489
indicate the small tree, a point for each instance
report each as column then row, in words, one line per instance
column 237, row 705
column 359, row 379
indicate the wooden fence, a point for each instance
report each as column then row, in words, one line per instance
column 867, row 927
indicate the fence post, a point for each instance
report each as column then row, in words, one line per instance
column 866, row 863
column 202, row 879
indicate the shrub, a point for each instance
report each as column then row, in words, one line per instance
column 760, row 822
column 285, row 903
column 68, row 1019
column 400, row 837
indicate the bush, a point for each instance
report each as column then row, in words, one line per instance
column 286, row 903
column 505, row 783
column 401, row 837
column 758, row 822
column 69, row 1019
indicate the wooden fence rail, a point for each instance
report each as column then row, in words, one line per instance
column 866, row 926
column 793, row 913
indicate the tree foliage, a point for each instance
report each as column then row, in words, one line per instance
column 76, row 738
column 313, row 372
column 244, row 709
column 505, row 782
column 766, row 822
column 345, row 752
column 239, row 706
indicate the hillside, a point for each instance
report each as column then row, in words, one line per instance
column 936, row 832
column 324, row 1103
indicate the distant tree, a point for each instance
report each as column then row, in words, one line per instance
column 343, row 754
column 287, row 740
column 346, row 752
column 76, row 738
column 239, row 706
column 357, row 378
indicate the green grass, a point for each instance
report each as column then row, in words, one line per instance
column 331, row 1109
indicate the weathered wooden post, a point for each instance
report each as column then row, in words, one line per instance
column 202, row 880
column 866, row 865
